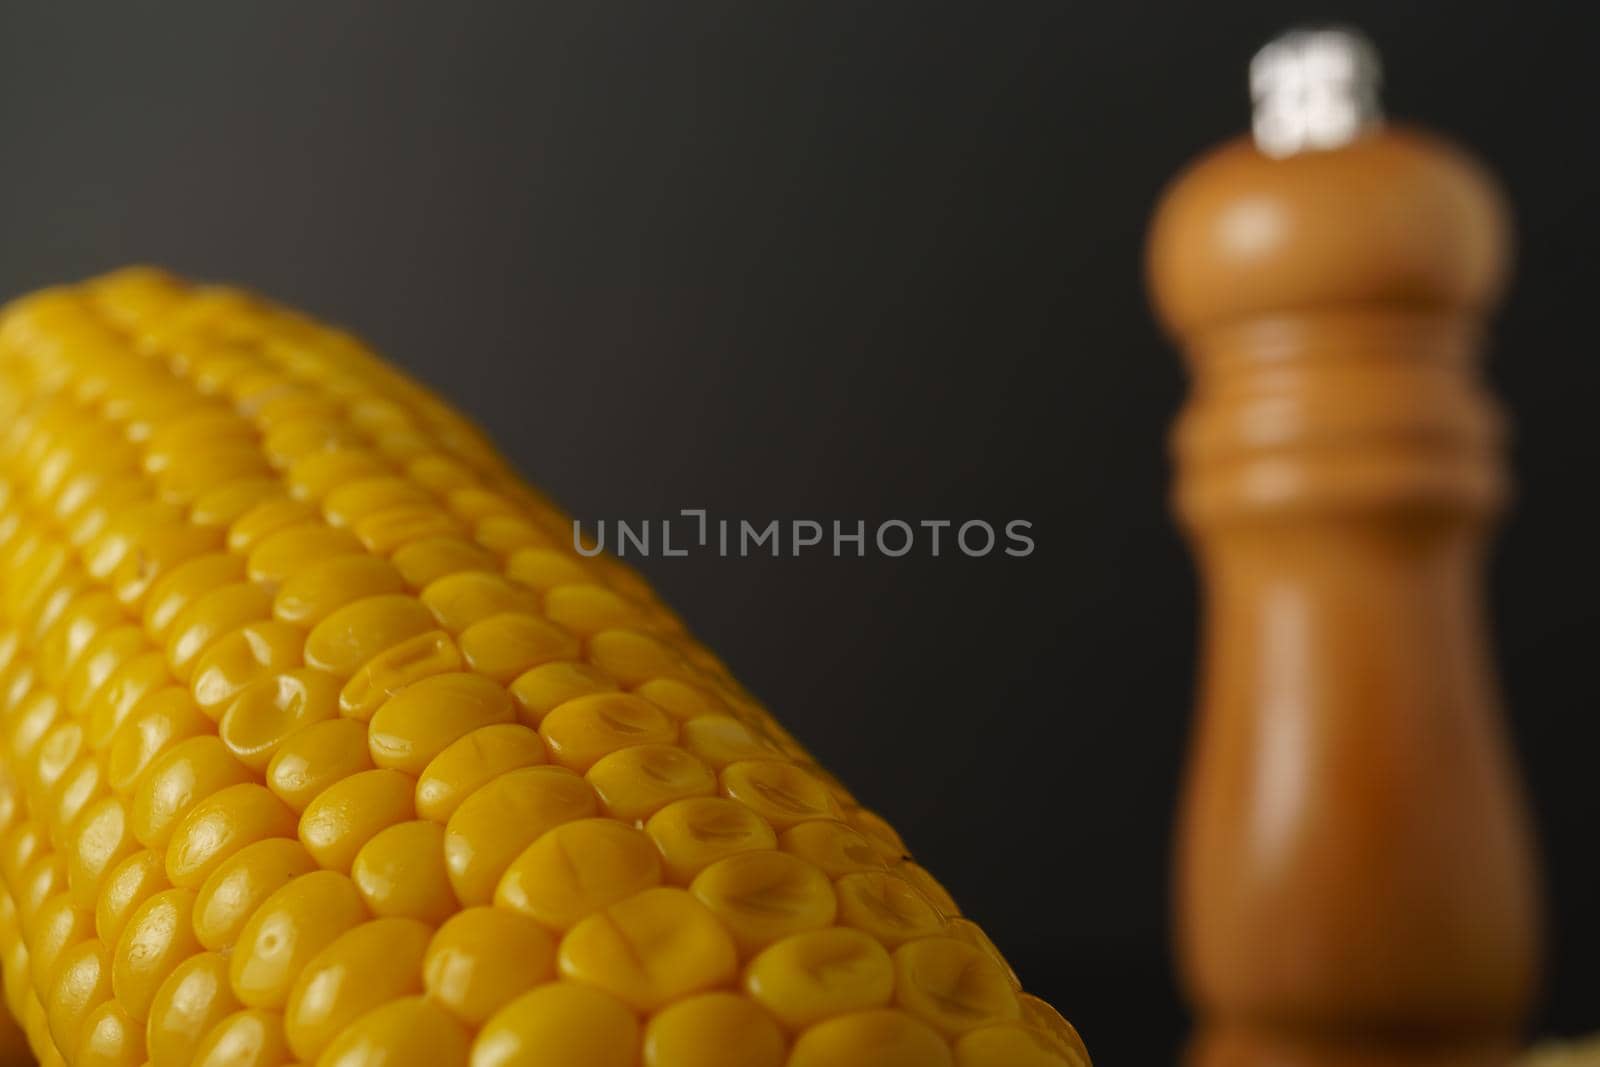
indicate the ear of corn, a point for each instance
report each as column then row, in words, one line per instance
column 319, row 743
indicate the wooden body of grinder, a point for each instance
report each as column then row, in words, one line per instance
column 1355, row 875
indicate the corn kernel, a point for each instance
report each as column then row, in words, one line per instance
column 561, row 1023
column 483, row 958
column 357, row 632
column 885, row 906
column 347, row 814
column 581, row 731
column 219, row 826
column 493, row 825
column 248, row 1038
column 420, row 721
column 634, row 783
column 1009, row 1045
column 576, row 869
column 271, row 709
column 241, row 657
column 321, row 587
column 508, row 644
column 471, row 761
column 236, row 888
column 411, row 660
column 712, row 1030
column 363, row 968
column 409, row 1032
column 781, row 793
column 762, row 896
column 315, row 757
column 881, row 1038
column 401, row 872
column 111, row 1038
column 158, row 937
column 290, row 927
column 650, row 949
column 693, row 834
column 546, row 687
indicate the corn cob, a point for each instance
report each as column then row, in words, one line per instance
column 322, row 744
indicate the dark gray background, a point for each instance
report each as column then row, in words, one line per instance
column 844, row 260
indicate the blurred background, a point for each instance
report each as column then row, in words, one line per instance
column 851, row 261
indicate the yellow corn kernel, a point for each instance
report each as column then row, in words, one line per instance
column 110, row 1037
column 819, row 974
column 194, row 998
column 401, row 872
column 500, row 819
column 284, row 553
column 577, row 869
column 765, row 895
column 581, row 731
column 270, row 710
column 248, row 1038
column 238, row 885
column 210, row 616
column 589, row 609
column 885, row 906
column 347, row 814
column 355, row 633
column 410, row 661
column 560, row 1022
column 481, row 959
column 427, row 559
column 546, row 687
column 316, row 475
column 682, row 700
column 473, row 760
column 130, row 883
column 392, row 528
column 363, row 968
column 952, row 986
column 318, row 741
column 315, row 757
column 57, row 926
column 835, row 848
column 634, row 783
column 222, row 824
column 780, row 792
column 321, row 587
column 650, row 949
column 720, row 740
column 693, row 834
column 290, row 927
column 266, row 519
column 157, row 723
column 543, row 569
column 184, row 584
column 159, row 935
column 712, row 1030
column 239, row 658
column 881, row 1038
column 1010, row 1045
column 459, row 600
column 409, row 1032
column 420, row 721
column 509, row 644
column 132, row 682
column 354, row 501
column 80, row 984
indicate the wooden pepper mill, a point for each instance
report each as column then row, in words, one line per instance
column 1355, row 874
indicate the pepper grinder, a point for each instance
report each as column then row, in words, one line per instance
column 1355, row 874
